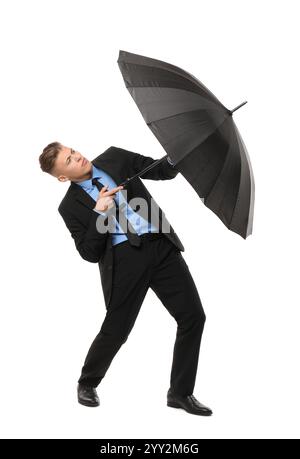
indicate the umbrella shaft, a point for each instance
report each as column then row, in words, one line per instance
column 143, row 171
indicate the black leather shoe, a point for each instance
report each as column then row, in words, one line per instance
column 189, row 403
column 87, row 395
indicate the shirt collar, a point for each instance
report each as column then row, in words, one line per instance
column 87, row 184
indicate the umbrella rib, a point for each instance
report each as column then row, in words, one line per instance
column 187, row 130
column 228, row 226
column 215, row 102
column 212, row 187
column 237, row 200
column 177, row 114
column 240, row 140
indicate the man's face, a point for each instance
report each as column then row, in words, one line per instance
column 71, row 165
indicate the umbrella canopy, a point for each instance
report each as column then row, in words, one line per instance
column 199, row 135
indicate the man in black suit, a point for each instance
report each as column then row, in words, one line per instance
column 131, row 259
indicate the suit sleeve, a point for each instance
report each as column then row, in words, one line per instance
column 163, row 171
column 89, row 242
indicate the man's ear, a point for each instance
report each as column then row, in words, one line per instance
column 62, row 178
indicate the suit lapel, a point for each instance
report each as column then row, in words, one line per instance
column 109, row 168
column 84, row 197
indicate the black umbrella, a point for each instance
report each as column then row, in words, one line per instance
column 198, row 134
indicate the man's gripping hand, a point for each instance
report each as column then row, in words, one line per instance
column 105, row 199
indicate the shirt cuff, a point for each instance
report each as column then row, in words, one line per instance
column 100, row 212
column 169, row 161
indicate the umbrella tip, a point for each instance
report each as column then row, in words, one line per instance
column 239, row 106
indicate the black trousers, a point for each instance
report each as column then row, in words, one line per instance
column 157, row 264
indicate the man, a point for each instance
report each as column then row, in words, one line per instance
column 145, row 253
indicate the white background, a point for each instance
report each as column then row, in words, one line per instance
column 60, row 81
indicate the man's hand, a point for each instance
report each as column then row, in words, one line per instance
column 105, row 199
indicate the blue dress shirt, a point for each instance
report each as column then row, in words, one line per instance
column 139, row 223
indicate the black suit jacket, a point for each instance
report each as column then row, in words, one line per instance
column 77, row 206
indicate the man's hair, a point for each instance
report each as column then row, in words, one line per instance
column 48, row 156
